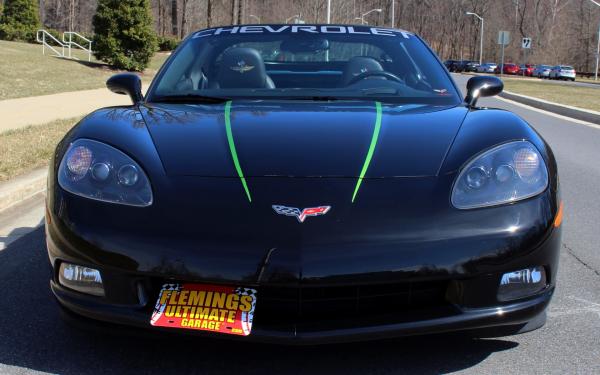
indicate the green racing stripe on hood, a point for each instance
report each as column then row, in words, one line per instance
column 232, row 149
column 374, row 139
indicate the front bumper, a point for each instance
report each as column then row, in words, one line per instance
column 515, row 315
column 465, row 303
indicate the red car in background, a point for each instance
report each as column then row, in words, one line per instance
column 526, row 70
column 508, row 69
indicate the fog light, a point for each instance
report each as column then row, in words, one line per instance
column 522, row 283
column 82, row 279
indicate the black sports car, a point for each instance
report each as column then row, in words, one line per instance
column 304, row 183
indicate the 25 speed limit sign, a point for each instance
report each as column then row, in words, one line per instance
column 526, row 43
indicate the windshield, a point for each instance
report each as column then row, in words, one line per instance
column 303, row 62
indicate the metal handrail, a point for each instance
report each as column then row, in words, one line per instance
column 69, row 43
column 40, row 37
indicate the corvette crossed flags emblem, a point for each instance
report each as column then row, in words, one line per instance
column 301, row 215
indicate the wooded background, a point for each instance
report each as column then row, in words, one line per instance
column 563, row 31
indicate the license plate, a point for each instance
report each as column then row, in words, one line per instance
column 215, row 308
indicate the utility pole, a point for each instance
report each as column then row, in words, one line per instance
column 597, row 48
column 393, row 12
column 328, row 11
column 597, row 54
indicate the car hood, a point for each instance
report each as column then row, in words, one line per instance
column 302, row 139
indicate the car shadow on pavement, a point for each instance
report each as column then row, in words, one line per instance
column 33, row 336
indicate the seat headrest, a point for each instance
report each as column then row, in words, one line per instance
column 358, row 65
column 242, row 68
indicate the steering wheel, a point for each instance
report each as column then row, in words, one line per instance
column 375, row 73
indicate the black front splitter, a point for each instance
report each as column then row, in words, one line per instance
column 92, row 311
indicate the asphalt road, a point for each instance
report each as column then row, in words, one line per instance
column 34, row 338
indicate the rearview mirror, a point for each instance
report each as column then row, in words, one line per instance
column 481, row 86
column 126, row 84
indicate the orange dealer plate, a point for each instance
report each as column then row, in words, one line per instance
column 214, row 308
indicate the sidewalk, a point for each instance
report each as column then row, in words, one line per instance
column 35, row 110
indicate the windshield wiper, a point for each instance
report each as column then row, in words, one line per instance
column 188, row 98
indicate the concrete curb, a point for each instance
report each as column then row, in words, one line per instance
column 564, row 110
column 22, row 187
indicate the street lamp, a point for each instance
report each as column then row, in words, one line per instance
column 362, row 17
column 292, row 17
column 255, row 17
column 597, row 48
column 480, row 37
column 597, row 54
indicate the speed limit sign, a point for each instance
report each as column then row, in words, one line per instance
column 526, row 43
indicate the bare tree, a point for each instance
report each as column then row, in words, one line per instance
column 563, row 31
column 174, row 17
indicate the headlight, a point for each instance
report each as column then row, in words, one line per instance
column 503, row 174
column 98, row 171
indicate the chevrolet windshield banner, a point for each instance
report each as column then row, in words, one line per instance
column 300, row 29
column 215, row 308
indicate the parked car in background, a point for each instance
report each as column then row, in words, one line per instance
column 459, row 66
column 508, row 69
column 472, row 66
column 449, row 63
column 526, row 70
column 542, row 71
column 564, row 72
column 487, row 67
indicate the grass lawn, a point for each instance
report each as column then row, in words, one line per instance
column 582, row 97
column 24, row 71
column 29, row 148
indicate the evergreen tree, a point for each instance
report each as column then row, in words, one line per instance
column 19, row 20
column 124, row 34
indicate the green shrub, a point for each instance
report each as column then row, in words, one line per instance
column 123, row 34
column 166, row 43
column 19, row 20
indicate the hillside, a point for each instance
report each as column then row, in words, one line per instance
column 24, row 71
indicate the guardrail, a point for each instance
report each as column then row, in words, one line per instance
column 42, row 36
column 70, row 43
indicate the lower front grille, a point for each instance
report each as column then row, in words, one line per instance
column 339, row 306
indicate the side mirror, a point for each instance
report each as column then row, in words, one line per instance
column 481, row 86
column 126, row 84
